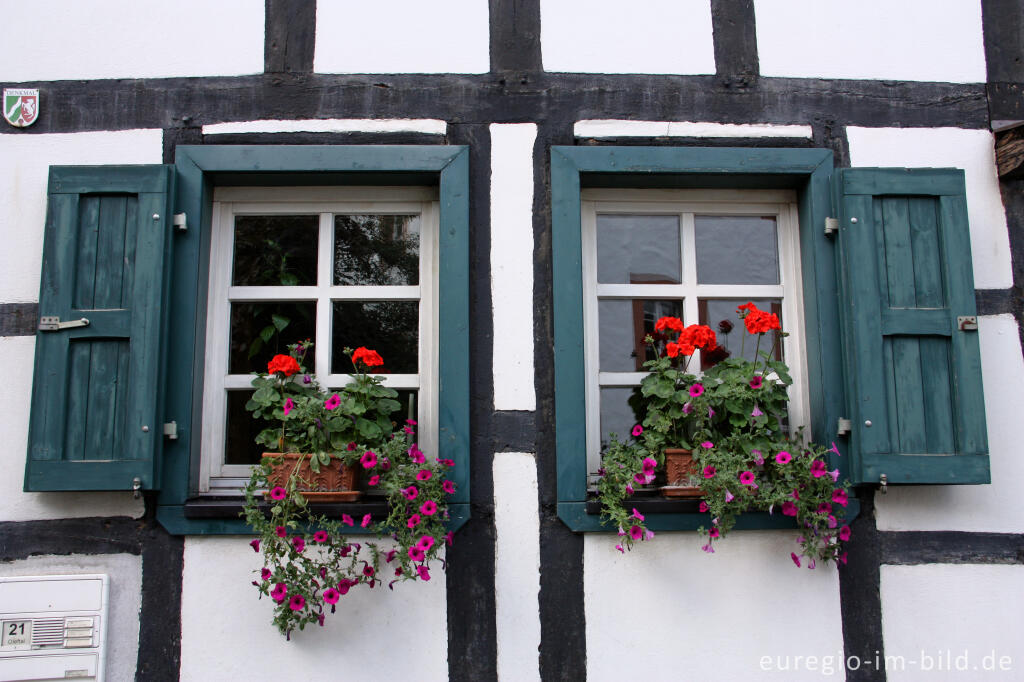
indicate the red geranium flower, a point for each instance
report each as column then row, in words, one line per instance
column 370, row 358
column 285, row 364
column 673, row 323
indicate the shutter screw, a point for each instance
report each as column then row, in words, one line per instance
column 853, row 220
column 145, row 429
column 867, row 423
column 156, row 216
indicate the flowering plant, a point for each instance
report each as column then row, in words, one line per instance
column 733, row 419
column 308, row 562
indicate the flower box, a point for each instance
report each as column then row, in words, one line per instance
column 680, row 475
column 333, row 483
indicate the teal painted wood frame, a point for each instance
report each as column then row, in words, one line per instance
column 907, row 276
column 199, row 170
column 809, row 171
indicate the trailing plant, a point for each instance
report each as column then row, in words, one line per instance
column 733, row 419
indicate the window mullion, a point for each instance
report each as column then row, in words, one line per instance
column 322, row 347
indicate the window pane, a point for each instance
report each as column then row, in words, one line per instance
column 720, row 314
column 736, row 250
column 624, row 324
column 616, row 414
column 389, row 327
column 261, row 330
column 275, row 250
column 638, row 249
column 376, row 249
column 242, row 429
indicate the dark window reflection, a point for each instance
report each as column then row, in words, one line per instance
column 389, row 327
column 275, row 250
column 376, row 249
column 242, row 429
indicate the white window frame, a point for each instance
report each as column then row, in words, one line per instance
column 686, row 203
column 218, row 478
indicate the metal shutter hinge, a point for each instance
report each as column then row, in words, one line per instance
column 967, row 323
column 180, row 223
column 171, row 430
column 843, row 427
column 831, row 226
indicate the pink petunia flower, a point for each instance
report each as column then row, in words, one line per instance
column 281, row 531
column 347, row 520
column 423, row 475
column 447, row 462
column 845, row 533
column 818, row 468
column 687, row 408
column 374, row 480
column 449, row 538
column 636, row 532
column 415, row 455
column 255, row 544
column 366, row 520
column 832, row 523
column 795, row 494
column 824, row 508
column 707, row 445
column 279, row 592
column 756, row 382
column 637, row 430
column 298, row 543
column 788, row 509
column 840, row 497
column 265, row 573
column 423, row 572
column 709, row 471
column 729, row 497
column 756, row 412
column 637, row 515
column 629, row 489
column 413, row 521
column 835, row 450
column 410, row 493
column 331, row 595
column 714, row 532
column 368, row 570
column 368, row 460
column 278, row 493
column 812, row 564
column 795, row 558
column 428, row 508
column 696, row 390
column 639, row 478
column 834, row 474
column 416, row 553
column 426, row 542
column 649, row 465
column 410, row 422
column 344, row 585
column 758, row 458
column 320, row 536
column 783, row 457
column 619, row 547
column 332, row 402
column 747, row 478
column 448, row 487
column 648, row 535
column 708, row 548
column 711, row 413
column 288, row 406
column 842, row 558
column 703, row 506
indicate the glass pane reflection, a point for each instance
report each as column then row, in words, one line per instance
column 382, row 250
column 638, row 249
column 736, row 250
column 389, row 327
column 275, row 250
column 624, row 324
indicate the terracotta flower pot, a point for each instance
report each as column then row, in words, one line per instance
column 335, row 482
column 679, row 467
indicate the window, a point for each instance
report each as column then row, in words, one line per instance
column 876, row 284
column 341, row 266
column 691, row 254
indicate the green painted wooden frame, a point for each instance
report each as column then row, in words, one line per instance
column 809, row 171
column 199, row 170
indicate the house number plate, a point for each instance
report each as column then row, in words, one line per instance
column 17, row 634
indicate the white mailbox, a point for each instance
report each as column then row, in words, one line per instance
column 53, row 627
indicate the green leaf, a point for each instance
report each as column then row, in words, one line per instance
column 267, row 333
column 387, row 405
column 367, row 429
column 280, row 322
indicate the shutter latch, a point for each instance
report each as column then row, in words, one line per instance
column 883, row 483
column 831, row 226
column 967, row 323
column 171, row 430
column 179, row 222
column 52, row 323
column 136, row 487
column 843, row 427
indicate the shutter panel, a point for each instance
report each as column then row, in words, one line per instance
column 905, row 262
column 95, row 419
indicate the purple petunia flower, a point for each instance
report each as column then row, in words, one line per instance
column 281, row 531
column 255, row 544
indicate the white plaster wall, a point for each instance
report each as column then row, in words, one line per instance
column 70, row 39
column 227, row 633
column 625, row 128
column 512, row 264
column 918, row 40
column 971, row 150
column 668, row 611
column 402, row 36
column 517, row 566
column 125, row 594
column 992, row 508
column 431, row 126
column 643, row 36
column 17, row 355
column 967, row 618
column 23, row 178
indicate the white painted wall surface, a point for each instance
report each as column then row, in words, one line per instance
column 402, row 36
column 970, row 613
column 668, row 611
column 17, row 355
column 431, row 126
column 643, row 36
column 512, row 264
column 376, row 634
column 971, row 150
column 623, row 128
column 68, row 39
column 517, row 566
column 993, row 508
column 125, row 594
column 23, row 179
column 917, row 40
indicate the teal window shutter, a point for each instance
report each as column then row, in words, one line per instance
column 96, row 401
column 913, row 365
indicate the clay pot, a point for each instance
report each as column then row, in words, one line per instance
column 335, row 482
